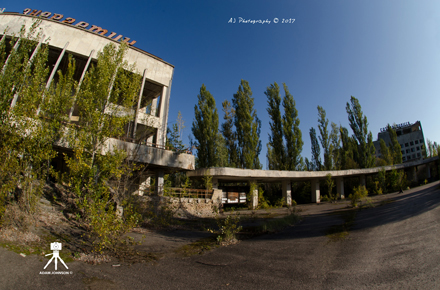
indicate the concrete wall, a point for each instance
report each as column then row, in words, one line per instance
column 152, row 155
column 82, row 42
column 182, row 207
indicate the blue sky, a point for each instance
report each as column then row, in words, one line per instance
column 385, row 53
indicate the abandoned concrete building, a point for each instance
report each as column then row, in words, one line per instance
column 410, row 137
column 83, row 42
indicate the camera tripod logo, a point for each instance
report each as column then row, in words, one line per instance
column 56, row 248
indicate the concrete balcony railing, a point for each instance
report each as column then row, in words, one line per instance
column 152, row 155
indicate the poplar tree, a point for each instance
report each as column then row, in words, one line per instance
column 292, row 133
column 395, row 145
column 275, row 146
column 26, row 140
column 349, row 152
column 248, row 127
column 205, row 129
column 335, row 147
column 364, row 138
column 316, row 150
column 104, row 102
column 386, row 155
column 229, row 135
column 324, row 137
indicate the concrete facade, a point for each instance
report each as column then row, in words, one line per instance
column 150, row 117
column 411, row 140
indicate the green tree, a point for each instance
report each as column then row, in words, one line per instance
column 349, row 150
column 335, row 147
column 26, row 140
column 292, row 133
column 364, row 138
column 205, row 129
column 229, row 136
column 248, row 127
column 174, row 141
column 330, row 185
column 324, row 137
column 275, row 146
column 107, row 94
column 386, row 155
column 316, row 150
column 395, row 145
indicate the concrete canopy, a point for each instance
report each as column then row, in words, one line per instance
column 227, row 174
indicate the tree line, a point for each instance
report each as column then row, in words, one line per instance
column 236, row 142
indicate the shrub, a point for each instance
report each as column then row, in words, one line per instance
column 377, row 188
column 325, row 198
column 228, row 228
column 359, row 193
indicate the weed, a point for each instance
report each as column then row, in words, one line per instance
column 325, row 198
column 359, row 194
column 227, row 229
column 197, row 247
column 340, row 232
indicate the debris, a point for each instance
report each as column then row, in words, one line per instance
column 23, row 255
column 117, row 265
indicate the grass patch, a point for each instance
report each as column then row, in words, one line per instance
column 340, row 232
column 198, row 247
column 279, row 224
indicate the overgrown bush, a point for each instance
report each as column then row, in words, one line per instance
column 227, row 229
column 377, row 188
column 360, row 193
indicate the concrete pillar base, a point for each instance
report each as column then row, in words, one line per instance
column 144, row 186
column 160, row 182
column 287, row 193
column 316, row 194
column 254, row 196
column 340, row 187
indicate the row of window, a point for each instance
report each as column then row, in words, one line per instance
column 417, row 148
column 411, row 143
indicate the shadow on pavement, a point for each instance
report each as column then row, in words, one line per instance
column 394, row 209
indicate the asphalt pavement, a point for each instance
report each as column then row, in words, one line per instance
column 392, row 246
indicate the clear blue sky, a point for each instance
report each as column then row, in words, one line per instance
column 385, row 53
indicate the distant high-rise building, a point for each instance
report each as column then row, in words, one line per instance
column 410, row 137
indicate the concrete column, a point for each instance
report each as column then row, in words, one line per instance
column 153, row 107
column 144, row 186
column 34, row 53
column 340, row 187
column 139, row 104
column 9, row 56
column 254, row 196
column 150, row 140
column 287, row 192
column 159, row 183
column 163, row 114
column 316, row 195
column 52, row 74
column 80, row 82
column 362, row 180
column 214, row 183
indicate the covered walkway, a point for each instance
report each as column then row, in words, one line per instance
column 226, row 174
